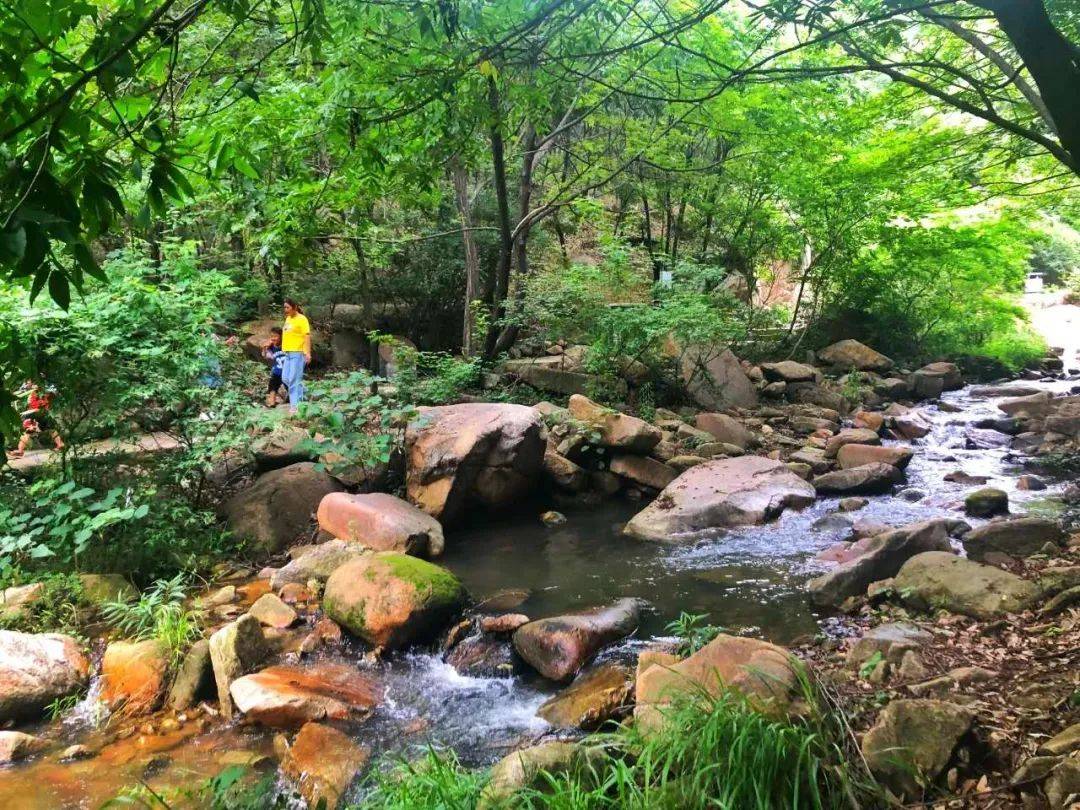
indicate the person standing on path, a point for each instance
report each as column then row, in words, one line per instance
column 296, row 343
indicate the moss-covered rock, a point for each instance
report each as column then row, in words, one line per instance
column 390, row 599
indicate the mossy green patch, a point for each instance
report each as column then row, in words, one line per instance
column 432, row 583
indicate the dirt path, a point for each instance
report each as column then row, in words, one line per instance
column 146, row 443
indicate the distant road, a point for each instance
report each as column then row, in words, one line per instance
column 1057, row 322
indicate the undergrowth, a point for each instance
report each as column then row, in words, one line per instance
column 710, row 752
column 158, row 613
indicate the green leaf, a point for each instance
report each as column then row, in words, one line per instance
column 59, row 289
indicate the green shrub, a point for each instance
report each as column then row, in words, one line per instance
column 158, row 613
column 1015, row 349
column 57, row 525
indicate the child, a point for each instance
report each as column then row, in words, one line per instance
column 274, row 353
column 37, row 422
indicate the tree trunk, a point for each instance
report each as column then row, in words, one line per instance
column 472, row 257
column 1052, row 61
column 520, row 247
column 501, row 280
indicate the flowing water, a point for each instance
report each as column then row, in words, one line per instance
column 749, row 581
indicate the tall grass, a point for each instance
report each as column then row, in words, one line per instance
column 711, row 752
column 436, row 781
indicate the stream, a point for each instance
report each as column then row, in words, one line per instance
column 747, row 581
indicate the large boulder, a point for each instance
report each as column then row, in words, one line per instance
column 913, row 741
column 615, row 430
column 134, row 675
column 35, row 670
column 789, row 371
column 317, row 563
column 235, row 650
column 951, row 376
column 715, row 379
column 381, row 522
column 489, row 453
column 1019, row 537
column 875, row 558
column 721, row 493
column 592, row 699
column 322, row 762
column 726, row 429
column 856, row 435
column 849, row 354
column 938, row 579
column 277, row 509
column 391, row 599
column 764, row 673
column 559, row 646
column 287, row 696
column 927, row 384
column 856, row 455
column 866, row 479
column 1025, row 406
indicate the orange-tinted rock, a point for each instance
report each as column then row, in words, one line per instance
column 489, row 453
column 381, row 522
column 643, row 470
column 134, row 675
column 322, row 762
column 855, row 455
column 591, row 699
column 559, row 646
column 271, row 611
column 325, row 632
column 850, row 436
column 287, row 696
column 763, row 672
column 293, row 592
column 725, row 429
column 870, row 420
column 849, row 354
column 506, row 623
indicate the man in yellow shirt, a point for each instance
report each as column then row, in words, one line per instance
column 296, row 343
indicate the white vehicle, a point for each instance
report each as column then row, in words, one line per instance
column 1033, row 283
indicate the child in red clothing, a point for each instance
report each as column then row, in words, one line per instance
column 36, row 421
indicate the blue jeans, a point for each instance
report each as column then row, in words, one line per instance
column 292, row 374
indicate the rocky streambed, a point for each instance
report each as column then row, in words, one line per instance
column 561, row 544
